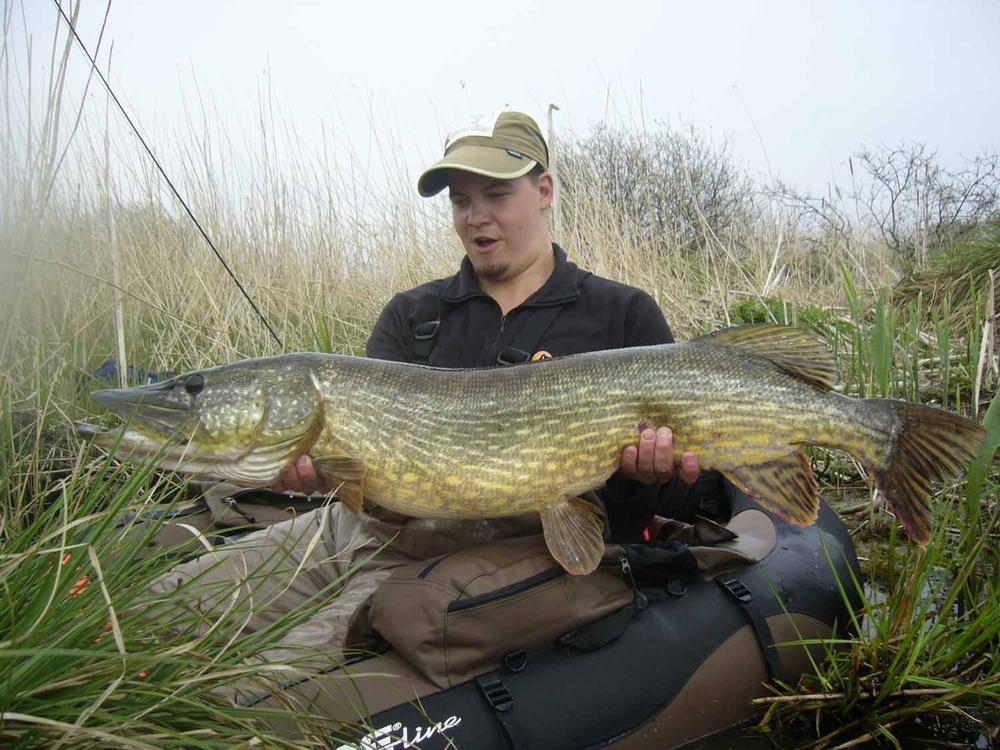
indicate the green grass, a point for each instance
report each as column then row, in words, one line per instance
column 85, row 660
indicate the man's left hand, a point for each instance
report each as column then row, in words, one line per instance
column 653, row 460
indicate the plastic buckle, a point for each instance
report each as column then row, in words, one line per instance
column 737, row 590
column 495, row 692
column 427, row 330
column 511, row 355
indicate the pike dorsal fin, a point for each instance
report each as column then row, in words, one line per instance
column 795, row 351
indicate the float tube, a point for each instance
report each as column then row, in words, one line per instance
column 685, row 667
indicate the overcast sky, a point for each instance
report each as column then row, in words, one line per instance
column 797, row 86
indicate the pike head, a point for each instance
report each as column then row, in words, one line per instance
column 241, row 422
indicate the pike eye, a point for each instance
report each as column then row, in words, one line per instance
column 194, row 384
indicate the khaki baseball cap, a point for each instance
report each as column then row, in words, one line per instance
column 506, row 146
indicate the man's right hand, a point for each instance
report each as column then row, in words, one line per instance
column 300, row 476
column 653, row 460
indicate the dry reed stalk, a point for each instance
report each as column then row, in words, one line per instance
column 987, row 340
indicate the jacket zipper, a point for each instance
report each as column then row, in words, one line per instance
column 231, row 502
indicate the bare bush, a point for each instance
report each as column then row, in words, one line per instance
column 676, row 186
column 906, row 197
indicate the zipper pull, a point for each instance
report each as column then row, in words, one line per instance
column 622, row 560
column 231, row 502
column 637, row 596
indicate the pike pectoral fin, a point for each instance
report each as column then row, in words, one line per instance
column 574, row 533
column 349, row 493
column 345, row 474
column 784, row 485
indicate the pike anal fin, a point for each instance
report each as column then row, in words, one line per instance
column 345, row 475
column 574, row 533
column 784, row 485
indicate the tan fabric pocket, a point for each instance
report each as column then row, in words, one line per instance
column 459, row 615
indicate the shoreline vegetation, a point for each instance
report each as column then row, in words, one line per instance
column 899, row 275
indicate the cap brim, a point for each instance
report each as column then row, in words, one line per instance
column 482, row 160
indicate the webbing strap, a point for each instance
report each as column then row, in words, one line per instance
column 500, row 700
column 425, row 334
column 738, row 591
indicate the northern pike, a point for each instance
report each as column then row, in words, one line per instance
column 477, row 443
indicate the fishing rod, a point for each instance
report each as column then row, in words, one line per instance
column 166, row 178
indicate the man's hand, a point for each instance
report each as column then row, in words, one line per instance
column 300, row 476
column 652, row 460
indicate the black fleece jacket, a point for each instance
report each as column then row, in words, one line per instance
column 597, row 314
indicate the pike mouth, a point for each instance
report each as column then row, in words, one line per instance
column 254, row 466
column 155, row 408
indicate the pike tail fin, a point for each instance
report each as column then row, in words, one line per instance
column 930, row 445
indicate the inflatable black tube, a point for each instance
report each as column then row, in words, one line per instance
column 684, row 667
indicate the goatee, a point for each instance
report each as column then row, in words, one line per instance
column 491, row 271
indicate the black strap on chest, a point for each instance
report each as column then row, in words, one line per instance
column 425, row 335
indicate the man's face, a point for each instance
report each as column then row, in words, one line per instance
column 501, row 222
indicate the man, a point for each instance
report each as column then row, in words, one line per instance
column 515, row 291
column 500, row 192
